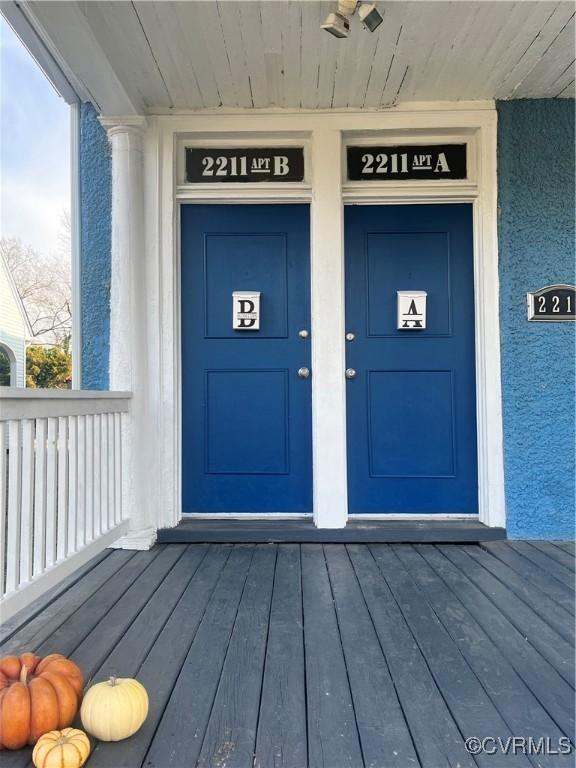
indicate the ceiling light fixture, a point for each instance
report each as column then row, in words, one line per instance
column 370, row 16
column 338, row 23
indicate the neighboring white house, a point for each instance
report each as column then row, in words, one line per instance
column 14, row 329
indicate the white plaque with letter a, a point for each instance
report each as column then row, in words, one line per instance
column 411, row 310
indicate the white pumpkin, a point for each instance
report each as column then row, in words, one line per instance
column 114, row 710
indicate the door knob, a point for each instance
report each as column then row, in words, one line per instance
column 303, row 333
column 350, row 336
column 304, row 372
column 350, row 373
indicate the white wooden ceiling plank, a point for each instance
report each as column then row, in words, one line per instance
column 161, row 28
column 118, row 29
column 569, row 92
column 251, row 31
column 431, row 27
column 230, row 21
column 467, row 54
column 342, row 75
column 362, row 65
column 352, row 49
column 404, row 56
column 530, row 18
column 311, row 43
column 566, row 79
column 530, row 57
column 292, row 53
column 328, row 51
column 271, row 18
column 194, row 51
column 499, row 34
column 210, row 27
column 555, row 61
column 388, row 34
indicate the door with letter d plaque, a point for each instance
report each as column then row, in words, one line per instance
column 246, row 386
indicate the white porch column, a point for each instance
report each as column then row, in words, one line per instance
column 328, row 353
column 128, row 325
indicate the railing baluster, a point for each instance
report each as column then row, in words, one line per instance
column 97, row 489
column 71, row 545
column 104, row 470
column 27, row 512
column 89, row 478
column 118, row 467
column 40, row 498
column 111, row 467
column 3, row 501
column 14, row 506
column 51, row 491
column 62, row 493
column 80, row 511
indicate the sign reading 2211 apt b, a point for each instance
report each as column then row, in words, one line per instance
column 211, row 165
column 433, row 162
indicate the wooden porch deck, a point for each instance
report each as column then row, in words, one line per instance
column 328, row 656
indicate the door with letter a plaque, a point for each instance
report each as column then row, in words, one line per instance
column 246, row 386
column 411, row 391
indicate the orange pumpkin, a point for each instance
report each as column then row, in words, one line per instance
column 36, row 696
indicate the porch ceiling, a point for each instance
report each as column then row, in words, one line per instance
column 156, row 56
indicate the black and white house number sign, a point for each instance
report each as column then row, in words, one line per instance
column 407, row 163
column 554, row 303
column 211, row 165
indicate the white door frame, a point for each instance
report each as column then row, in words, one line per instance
column 324, row 135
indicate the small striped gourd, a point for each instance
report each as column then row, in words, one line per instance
column 68, row 748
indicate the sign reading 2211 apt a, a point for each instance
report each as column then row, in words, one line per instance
column 211, row 165
column 434, row 162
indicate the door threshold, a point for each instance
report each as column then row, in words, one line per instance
column 303, row 531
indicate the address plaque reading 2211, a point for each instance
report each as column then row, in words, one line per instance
column 432, row 162
column 553, row 304
column 211, row 165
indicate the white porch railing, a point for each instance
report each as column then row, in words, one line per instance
column 60, row 485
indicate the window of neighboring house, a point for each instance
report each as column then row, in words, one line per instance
column 5, row 368
column 35, row 207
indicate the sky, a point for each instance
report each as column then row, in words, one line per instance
column 34, row 149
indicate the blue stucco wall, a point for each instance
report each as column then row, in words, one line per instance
column 536, row 248
column 95, row 248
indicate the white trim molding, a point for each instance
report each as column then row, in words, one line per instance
column 324, row 135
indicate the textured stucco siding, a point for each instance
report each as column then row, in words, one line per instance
column 95, row 247
column 536, row 248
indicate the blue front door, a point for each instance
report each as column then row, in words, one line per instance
column 246, row 413
column 411, row 408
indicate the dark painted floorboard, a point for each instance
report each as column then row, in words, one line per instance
column 558, row 618
column 384, row 734
column 546, row 564
column 552, row 646
column 510, row 695
column 334, row 655
column 281, row 740
column 556, row 591
column 436, row 737
column 564, row 558
column 332, row 730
